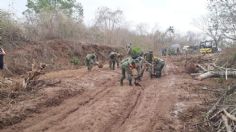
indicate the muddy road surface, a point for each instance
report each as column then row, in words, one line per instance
column 105, row 106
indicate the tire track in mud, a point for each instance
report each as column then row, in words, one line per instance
column 90, row 101
column 153, row 105
column 52, row 117
column 86, row 103
column 141, row 113
column 131, row 110
column 64, row 115
column 129, row 95
column 126, row 113
column 111, row 108
column 101, row 115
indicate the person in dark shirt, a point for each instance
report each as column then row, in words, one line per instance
column 2, row 53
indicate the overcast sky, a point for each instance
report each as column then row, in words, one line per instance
column 164, row 13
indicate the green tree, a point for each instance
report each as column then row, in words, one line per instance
column 48, row 19
column 9, row 29
column 69, row 7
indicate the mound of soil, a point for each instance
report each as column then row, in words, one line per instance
column 57, row 54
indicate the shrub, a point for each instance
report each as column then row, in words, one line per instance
column 228, row 58
column 136, row 51
column 75, row 60
column 9, row 29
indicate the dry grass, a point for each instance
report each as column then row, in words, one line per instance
column 228, row 58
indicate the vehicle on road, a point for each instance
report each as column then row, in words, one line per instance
column 208, row 47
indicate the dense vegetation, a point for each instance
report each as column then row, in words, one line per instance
column 60, row 19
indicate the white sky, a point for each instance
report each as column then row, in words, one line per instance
column 164, row 13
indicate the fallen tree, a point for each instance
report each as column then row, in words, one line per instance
column 203, row 67
column 209, row 70
column 209, row 74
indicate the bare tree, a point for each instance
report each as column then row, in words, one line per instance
column 108, row 21
column 220, row 23
column 223, row 13
column 141, row 29
column 193, row 38
column 211, row 27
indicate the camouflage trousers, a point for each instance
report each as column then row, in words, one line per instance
column 112, row 63
column 89, row 63
column 124, row 72
column 140, row 70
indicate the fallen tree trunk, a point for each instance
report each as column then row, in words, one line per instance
column 216, row 74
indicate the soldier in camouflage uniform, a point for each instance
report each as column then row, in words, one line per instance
column 2, row 53
column 90, row 60
column 140, row 67
column 118, row 60
column 157, row 67
column 129, row 49
column 149, row 56
column 113, row 59
column 127, row 65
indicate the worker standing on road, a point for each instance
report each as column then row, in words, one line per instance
column 118, row 59
column 127, row 65
column 140, row 67
column 2, row 53
column 129, row 48
column 90, row 60
column 113, row 59
column 158, row 65
column 148, row 57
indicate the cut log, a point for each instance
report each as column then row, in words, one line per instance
column 228, row 127
column 210, row 74
column 231, row 117
column 195, row 74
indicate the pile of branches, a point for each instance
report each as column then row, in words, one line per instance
column 205, row 67
column 221, row 116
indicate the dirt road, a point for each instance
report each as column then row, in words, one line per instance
column 102, row 105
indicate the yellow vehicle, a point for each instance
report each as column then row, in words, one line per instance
column 208, row 47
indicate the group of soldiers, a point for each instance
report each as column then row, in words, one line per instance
column 132, row 67
column 141, row 63
column 114, row 59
